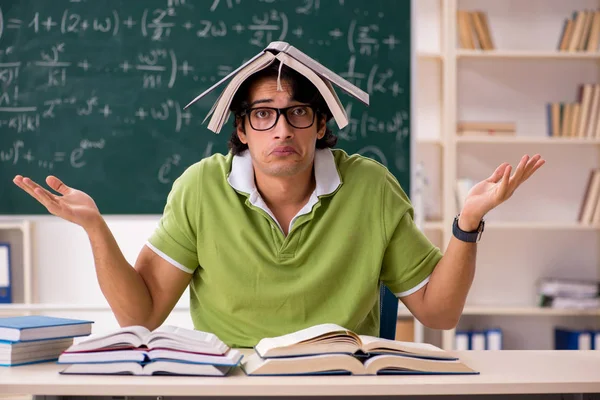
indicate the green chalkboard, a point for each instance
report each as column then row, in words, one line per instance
column 92, row 91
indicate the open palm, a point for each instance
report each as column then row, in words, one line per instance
column 500, row 186
column 70, row 204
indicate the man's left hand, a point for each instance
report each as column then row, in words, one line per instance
column 493, row 191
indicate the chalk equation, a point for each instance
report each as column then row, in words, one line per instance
column 19, row 153
column 84, row 81
column 160, row 24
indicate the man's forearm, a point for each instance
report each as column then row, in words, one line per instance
column 451, row 279
column 123, row 287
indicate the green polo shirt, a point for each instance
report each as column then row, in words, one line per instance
column 251, row 281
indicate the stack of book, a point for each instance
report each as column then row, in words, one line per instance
column 589, row 212
column 332, row 349
column 569, row 293
column 36, row 339
column 474, row 30
column 578, row 119
column 581, row 32
column 135, row 350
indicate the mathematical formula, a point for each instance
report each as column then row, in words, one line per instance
column 47, row 78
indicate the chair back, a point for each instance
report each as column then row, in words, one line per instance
column 388, row 313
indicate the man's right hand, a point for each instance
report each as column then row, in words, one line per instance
column 72, row 205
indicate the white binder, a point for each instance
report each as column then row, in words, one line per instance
column 5, row 274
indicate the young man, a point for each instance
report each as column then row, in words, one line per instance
column 284, row 233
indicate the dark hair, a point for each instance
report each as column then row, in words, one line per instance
column 302, row 90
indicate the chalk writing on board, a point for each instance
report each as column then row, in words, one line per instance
column 90, row 89
column 19, row 152
column 366, row 124
column 165, row 169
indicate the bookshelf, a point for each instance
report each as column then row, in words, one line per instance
column 536, row 233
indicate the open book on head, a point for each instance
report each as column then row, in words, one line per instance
column 290, row 56
column 332, row 338
column 165, row 337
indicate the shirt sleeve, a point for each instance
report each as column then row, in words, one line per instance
column 175, row 237
column 410, row 257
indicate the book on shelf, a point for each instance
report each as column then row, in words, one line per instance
column 589, row 212
column 37, row 327
column 136, row 350
column 570, row 303
column 330, row 349
column 577, row 119
column 561, row 293
column 5, row 273
column 483, row 128
column 580, row 32
column 478, row 339
column 577, row 288
column 474, row 30
column 575, row 339
column 288, row 55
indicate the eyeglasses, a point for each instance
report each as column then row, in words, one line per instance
column 265, row 118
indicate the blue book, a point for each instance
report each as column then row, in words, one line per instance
column 38, row 327
column 572, row 339
column 22, row 353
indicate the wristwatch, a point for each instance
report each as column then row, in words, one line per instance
column 472, row 236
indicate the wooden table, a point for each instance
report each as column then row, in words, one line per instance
column 501, row 372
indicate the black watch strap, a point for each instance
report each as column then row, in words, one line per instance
column 472, row 236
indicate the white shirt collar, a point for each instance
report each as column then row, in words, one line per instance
column 327, row 178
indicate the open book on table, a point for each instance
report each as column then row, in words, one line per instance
column 332, row 338
column 165, row 337
column 336, row 363
column 139, row 355
column 138, row 351
column 288, row 55
column 330, row 348
column 153, row 368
